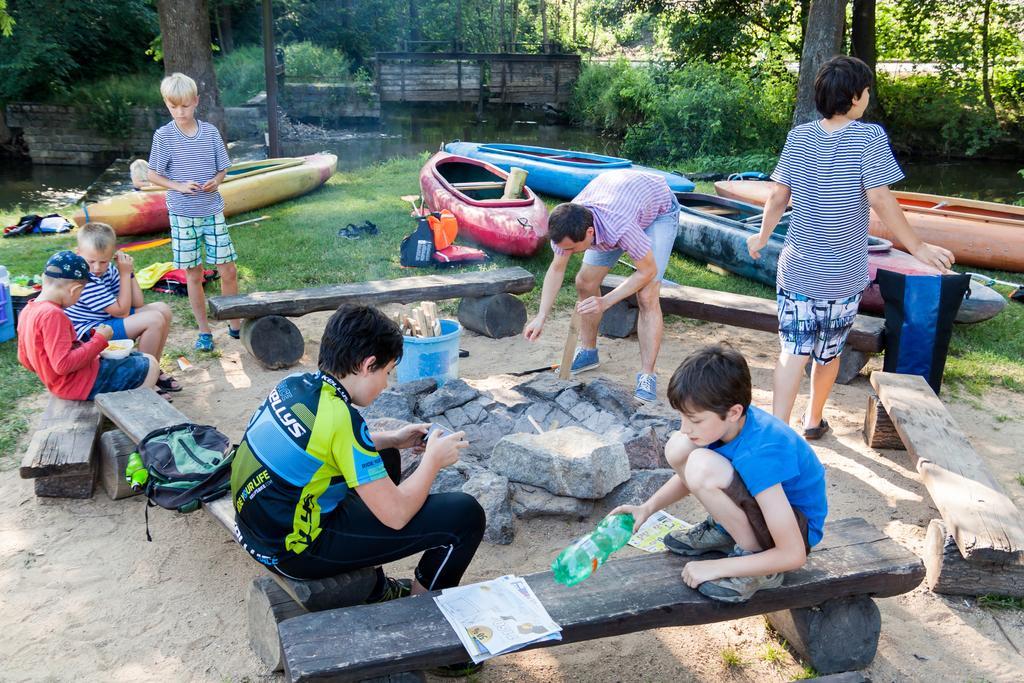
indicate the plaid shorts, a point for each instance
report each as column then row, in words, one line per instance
column 189, row 234
column 815, row 327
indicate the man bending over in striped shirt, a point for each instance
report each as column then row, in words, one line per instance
column 832, row 169
column 619, row 211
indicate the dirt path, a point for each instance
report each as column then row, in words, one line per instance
column 83, row 595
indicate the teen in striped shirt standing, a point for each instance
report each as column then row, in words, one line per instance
column 833, row 170
column 620, row 211
column 189, row 159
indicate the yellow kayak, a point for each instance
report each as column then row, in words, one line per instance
column 247, row 186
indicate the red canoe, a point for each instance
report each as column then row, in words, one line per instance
column 472, row 190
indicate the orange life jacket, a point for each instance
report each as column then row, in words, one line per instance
column 444, row 228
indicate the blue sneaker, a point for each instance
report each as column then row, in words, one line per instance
column 646, row 387
column 585, row 359
column 204, row 342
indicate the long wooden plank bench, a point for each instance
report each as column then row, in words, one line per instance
column 277, row 343
column 60, row 456
column 979, row 520
column 824, row 610
column 140, row 411
column 739, row 310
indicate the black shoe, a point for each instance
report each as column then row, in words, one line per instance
column 393, row 590
column 460, row 670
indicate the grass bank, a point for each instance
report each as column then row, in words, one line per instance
column 299, row 247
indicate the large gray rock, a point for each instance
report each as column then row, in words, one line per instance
column 602, row 422
column 492, row 492
column 546, row 386
column 416, row 388
column 612, row 397
column 646, row 451
column 453, row 394
column 567, row 400
column 582, row 410
column 566, row 462
column 391, row 404
column 530, row 502
column 656, row 414
column 457, row 418
column 638, row 489
column 448, row 479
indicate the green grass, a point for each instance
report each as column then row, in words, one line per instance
column 298, row 247
column 1000, row 602
column 732, row 659
column 807, row 672
column 774, row 654
column 1020, row 478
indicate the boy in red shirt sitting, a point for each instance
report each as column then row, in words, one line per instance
column 47, row 345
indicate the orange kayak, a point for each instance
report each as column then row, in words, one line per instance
column 248, row 185
column 986, row 234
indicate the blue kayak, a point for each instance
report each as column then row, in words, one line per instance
column 557, row 172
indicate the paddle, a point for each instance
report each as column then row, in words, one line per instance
column 1016, row 295
column 160, row 241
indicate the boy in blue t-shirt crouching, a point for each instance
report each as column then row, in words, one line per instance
column 832, row 169
column 761, row 483
column 189, row 158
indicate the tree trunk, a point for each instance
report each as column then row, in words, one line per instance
column 414, row 25
column 986, row 85
column 515, row 26
column 822, row 41
column 185, row 27
column 501, row 27
column 575, row 7
column 863, row 43
column 544, row 25
column 227, row 29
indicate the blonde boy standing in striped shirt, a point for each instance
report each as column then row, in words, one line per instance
column 621, row 211
column 832, row 169
column 189, row 158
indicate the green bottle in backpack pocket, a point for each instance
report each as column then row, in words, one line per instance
column 187, row 465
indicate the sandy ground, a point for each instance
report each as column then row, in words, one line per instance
column 84, row 596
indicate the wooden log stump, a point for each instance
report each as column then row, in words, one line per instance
column 67, row 485
column 851, row 362
column 273, row 340
column 619, row 321
column 835, row 636
column 494, row 316
column 267, row 605
column 879, row 431
column 115, row 447
column 845, row 677
column 948, row 573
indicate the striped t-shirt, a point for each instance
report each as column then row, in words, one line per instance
column 826, row 250
column 183, row 159
column 624, row 203
column 99, row 293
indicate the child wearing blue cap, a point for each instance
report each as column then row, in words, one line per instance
column 47, row 345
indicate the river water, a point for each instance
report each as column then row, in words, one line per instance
column 407, row 131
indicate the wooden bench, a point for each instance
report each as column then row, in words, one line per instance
column 140, row 411
column 60, row 455
column 739, row 310
column 978, row 545
column 276, row 342
column 824, row 610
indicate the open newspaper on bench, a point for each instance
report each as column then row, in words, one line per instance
column 496, row 617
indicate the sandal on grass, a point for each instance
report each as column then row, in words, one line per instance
column 813, row 433
column 168, row 383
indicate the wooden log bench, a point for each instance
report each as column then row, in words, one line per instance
column 824, row 610
column 739, row 310
column 60, row 456
column 978, row 546
column 276, row 342
column 140, row 411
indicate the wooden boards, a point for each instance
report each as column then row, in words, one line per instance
column 138, row 412
column 746, row 311
column 564, row 368
column 402, row 290
column 985, row 523
column 947, row 572
column 623, row 596
column 273, row 340
column 60, row 455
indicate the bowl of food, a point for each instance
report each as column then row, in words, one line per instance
column 118, row 348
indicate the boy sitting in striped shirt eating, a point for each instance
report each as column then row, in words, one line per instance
column 833, row 169
column 189, row 158
column 619, row 211
column 112, row 297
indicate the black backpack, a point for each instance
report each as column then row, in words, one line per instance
column 418, row 248
column 187, row 464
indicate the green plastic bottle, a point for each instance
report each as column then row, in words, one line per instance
column 582, row 558
column 135, row 473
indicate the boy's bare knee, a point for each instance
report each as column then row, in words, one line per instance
column 706, row 469
column 228, row 270
column 163, row 309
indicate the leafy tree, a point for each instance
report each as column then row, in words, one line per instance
column 185, row 33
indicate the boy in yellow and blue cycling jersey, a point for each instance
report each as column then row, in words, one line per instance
column 316, row 493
